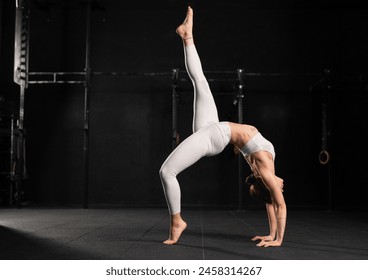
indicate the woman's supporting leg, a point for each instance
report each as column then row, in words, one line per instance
column 204, row 107
column 186, row 154
column 209, row 141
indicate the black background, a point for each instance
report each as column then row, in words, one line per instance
column 131, row 116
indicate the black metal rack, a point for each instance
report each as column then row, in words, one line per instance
column 9, row 154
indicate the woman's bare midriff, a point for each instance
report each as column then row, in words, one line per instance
column 241, row 133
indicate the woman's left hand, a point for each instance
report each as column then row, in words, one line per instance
column 264, row 243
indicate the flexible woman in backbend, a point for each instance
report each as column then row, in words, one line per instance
column 209, row 138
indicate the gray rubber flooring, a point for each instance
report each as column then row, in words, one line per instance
column 137, row 234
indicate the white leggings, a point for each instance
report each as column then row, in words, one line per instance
column 209, row 136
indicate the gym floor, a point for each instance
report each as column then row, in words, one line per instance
column 137, row 234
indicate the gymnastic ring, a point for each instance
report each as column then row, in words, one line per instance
column 325, row 154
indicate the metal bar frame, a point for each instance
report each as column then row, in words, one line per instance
column 87, row 92
column 240, row 107
column 175, row 96
column 21, row 63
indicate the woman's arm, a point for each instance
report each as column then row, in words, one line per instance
column 272, row 223
column 270, row 180
column 272, row 220
column 280, row 211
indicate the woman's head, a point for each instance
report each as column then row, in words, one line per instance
column 258, row 190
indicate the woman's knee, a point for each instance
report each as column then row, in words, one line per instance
column 166, row 172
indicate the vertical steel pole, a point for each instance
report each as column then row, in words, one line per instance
column 12, row 160
column 20, row 153
column 175, row 76
column 87, row 90
column 327, row 134
column 240, row 97
column 21, row 54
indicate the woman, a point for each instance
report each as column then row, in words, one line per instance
column 209, row 138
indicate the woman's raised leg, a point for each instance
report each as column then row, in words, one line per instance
column 204, row 107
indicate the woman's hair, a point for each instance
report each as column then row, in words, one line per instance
column 258, row 190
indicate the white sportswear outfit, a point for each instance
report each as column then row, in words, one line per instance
column 258, row 143
column 209, row 137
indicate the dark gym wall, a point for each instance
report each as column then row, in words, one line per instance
column 1, row 9
column 131, row 116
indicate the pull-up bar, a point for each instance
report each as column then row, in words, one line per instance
column 79, row 77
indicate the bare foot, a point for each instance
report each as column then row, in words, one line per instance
column 176, row 229
column 185, row 30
